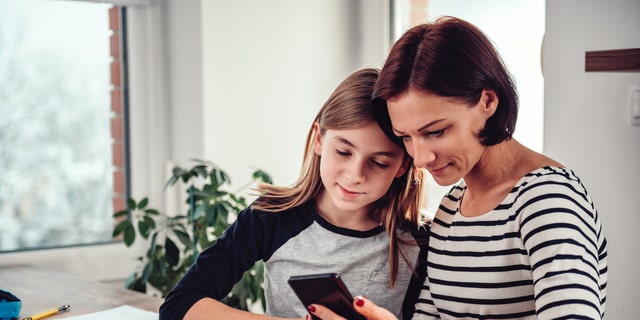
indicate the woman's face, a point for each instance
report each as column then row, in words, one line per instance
column 440, row 133
column 357, row 167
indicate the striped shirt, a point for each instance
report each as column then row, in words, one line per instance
column 540, row 254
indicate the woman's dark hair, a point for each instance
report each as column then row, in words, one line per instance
column 452, row 58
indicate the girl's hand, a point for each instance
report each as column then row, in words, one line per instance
column 361, row 304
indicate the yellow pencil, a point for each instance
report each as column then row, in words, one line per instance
column 47, row 313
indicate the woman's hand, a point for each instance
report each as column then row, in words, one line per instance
column 361, row 304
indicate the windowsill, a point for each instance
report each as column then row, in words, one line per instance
column 84, row 265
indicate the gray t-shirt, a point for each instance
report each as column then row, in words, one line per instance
column 297, row 242
column 361, row 258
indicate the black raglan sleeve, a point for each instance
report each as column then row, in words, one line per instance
column 218, row 267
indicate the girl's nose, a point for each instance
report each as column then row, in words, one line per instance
column 355, row 172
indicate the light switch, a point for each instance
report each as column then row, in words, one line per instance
column 634, row 105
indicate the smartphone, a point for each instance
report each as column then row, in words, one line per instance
column 328, row 290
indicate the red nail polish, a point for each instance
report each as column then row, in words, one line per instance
column 311, row 308
column 359, row 302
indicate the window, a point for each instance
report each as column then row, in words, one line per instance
column 60, row 133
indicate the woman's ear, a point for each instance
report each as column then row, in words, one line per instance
column 489, row 101
column 317, row 139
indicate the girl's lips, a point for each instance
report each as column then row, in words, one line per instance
column 348, row 193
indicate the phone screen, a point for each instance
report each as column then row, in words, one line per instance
column 328, row 290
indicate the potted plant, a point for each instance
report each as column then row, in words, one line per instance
column 174, row 242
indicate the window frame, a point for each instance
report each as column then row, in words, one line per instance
column 146, row 81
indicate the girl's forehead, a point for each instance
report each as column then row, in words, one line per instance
column 369, row 137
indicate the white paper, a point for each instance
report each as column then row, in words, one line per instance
column 124, row 312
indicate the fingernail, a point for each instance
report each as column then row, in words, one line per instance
column 359, row 301
column 311, row 308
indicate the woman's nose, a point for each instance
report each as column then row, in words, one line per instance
column 422, row 154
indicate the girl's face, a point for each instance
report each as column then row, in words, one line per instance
column 357, row 167
column 441, row 133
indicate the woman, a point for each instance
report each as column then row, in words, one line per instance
column 354, row 185
column 518, row 235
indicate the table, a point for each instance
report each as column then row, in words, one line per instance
column 42, row 289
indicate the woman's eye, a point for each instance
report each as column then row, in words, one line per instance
column 342, row 153
column 435, row 133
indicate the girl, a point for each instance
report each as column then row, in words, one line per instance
column 354, row 185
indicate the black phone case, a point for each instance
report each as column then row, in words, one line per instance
column 326, row 289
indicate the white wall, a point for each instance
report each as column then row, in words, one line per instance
column 587, row 127
column 268, row 68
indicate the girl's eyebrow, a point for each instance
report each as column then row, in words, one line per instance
column 426, row 126
column 389, row 154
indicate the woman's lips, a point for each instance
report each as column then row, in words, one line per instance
column 439, row 171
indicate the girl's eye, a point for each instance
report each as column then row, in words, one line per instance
column 380, row 164
column 342, row 153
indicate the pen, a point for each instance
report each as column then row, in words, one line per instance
column 47, row 313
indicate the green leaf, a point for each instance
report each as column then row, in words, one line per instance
column 131, row 204
column 135, row 283
column 188, row 262
column 121, row 213
column 203, row 240
column 179, row 226
column 200, row 170
column 262, row 176
column 145, row 225
column 199, row 211
column 143, row 203
column 120, row 227
column 130, row 280
column 187, row 176
column 152, row 211
column 152, row 245
column 178, row 172
column 129, row 235
column 155, row 252
column 212, row 215
column 219, row 228
column 161, row 267
column 146, row 273
column 223, row 216
column 171, row 180
column 184, row 238
column 214, row 178
column 173, row 254
column 224, row 177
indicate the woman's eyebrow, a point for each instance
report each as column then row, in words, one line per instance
column 426, row 126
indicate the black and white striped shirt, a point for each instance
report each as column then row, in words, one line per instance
column 540, row 254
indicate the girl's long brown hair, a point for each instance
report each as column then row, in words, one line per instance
column 349, row 107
